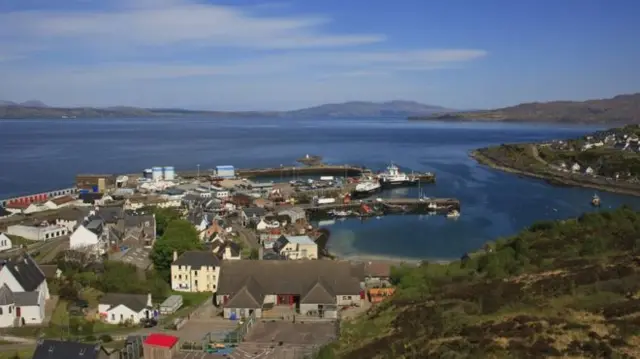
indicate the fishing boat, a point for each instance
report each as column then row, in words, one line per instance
column 595, row 201
column 453, row 214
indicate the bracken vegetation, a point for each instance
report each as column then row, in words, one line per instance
column 557, row 289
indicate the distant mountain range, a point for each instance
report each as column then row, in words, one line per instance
column 37, row 109
column 619, row 109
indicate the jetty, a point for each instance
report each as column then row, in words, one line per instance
column 388, row 206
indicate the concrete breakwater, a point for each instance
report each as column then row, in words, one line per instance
column 560, row 179
column 289, row 171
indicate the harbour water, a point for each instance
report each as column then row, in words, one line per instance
column 38, row 155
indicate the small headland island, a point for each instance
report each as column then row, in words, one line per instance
column 621, row 109
column 605, row 160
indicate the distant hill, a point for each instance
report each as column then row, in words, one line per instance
column 619, row 109
column 37, row 109
column 368, row 109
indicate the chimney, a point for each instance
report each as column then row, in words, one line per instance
column 149, row 302
column 175, row 256
column 260, row 252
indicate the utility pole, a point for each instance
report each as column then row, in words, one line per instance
column 198, row 171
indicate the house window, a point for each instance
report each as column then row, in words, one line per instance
column 346, row 297
column 113, row 316
column 121, row 317
column 179, row 276
column 9, row 309
column 0, row 311
column 196, row 283
column 195, row 273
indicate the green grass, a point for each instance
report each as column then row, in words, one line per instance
column 24, row 353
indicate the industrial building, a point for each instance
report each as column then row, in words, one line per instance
column 225, row 172
column 95, row 182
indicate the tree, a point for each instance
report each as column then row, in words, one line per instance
column 179, row 236
column 255, row 254
column 164, row 216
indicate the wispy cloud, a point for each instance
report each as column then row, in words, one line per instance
column 171, row 22
column 228, row 47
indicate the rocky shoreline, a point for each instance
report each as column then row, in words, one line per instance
column 554, row 179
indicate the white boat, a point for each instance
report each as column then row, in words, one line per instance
column 595, row 201
column 341, row 213
column 432, row 205
column 368, row 187
column 393, row 177
column 453, row 214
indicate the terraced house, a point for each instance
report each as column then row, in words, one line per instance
column 195, row 271
column 255, row 287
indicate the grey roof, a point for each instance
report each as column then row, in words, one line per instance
column 233, row 246
column 197, row 259
column 111, row 214
column 73, row 213
column 95, row 225
column 26, row 298
column 290, row 277
column 26, row 271
column 250, row 295
column 319, row 293
column 6, row 295
column 135, row 302
column 57, row 349
column 254, row 211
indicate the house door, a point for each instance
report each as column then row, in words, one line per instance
column 18, row 312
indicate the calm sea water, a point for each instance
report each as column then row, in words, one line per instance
column 37, row 155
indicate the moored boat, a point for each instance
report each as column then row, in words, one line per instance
column 595, row 201
column 392, row 177
column 453, row 214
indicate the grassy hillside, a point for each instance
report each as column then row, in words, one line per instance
column 619, row 109
column 557, row 289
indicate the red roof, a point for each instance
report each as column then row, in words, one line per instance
column 161, row 340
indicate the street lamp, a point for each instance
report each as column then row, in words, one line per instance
column 198, row 171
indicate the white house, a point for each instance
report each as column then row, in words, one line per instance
column 221, row 193
column 296, row 247
column 5, row 242
column 575, row 167
column 38, row 233
column 23, row 292
column 588, row 171
column 89, row 237
column 116, row 308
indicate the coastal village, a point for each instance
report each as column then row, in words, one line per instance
column 587, row 155
column 210, row 265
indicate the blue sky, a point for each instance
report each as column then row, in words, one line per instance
column 252, row 55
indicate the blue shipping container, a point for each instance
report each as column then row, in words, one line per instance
column 95, row 189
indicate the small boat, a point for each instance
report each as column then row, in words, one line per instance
column 367, row 186
column 341, row 213
column 432, row 206
column 595, row 201
column 453, row 214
